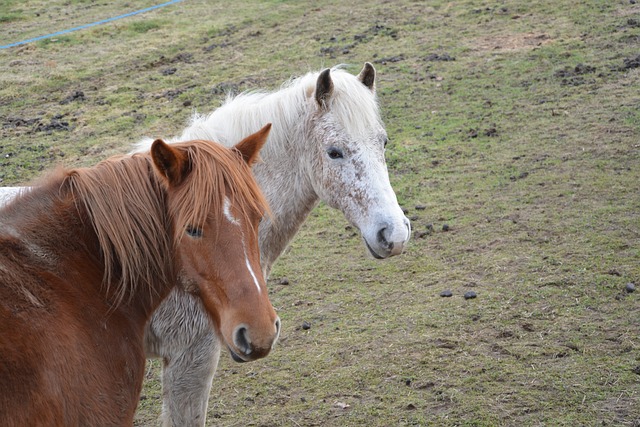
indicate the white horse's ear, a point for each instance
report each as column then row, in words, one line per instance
column 324, row 88
column 171, row 164
column 368, row 76
column 250, row 147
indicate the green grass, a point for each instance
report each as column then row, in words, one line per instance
column 10, row 17
column 146, row 25
column 530, row 158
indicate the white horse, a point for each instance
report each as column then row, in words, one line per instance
column 327, row 143
column 8, row 193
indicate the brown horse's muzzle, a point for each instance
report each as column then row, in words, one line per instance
column 248, row 345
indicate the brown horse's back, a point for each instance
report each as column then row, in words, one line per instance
column 56, row 338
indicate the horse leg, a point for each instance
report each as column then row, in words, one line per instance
column 181, row 334
column 186, row 382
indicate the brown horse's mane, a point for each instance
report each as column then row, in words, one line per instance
column 138, row 220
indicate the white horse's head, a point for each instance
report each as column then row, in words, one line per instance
column 348, row 169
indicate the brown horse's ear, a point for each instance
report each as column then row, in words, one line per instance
column 170, row 163
column 368, row 76
column 324, row 87
column 251, row 145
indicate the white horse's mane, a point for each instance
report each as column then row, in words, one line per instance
column 353, row 103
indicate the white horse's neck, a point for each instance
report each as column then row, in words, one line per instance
column 289, row 209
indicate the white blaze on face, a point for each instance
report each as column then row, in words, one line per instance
column 226, row 209
column 255, row 279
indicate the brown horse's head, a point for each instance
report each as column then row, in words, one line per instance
column 217, row 206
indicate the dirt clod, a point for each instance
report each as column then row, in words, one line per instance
column 492, row 131
column 528, row 327
column 78, row 95
column 397, row 58
column 14, row 122
column 54, row 125
column 522, row 175
column 446, row 293
column 439, row 57
column 573, row 76
column 630, row 63
column 470, row 295
column 214, row 46
column 172, row 94
column 578, row 70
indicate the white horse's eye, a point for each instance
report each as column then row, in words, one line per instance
column 194, row 231
column 334, row 153
column 386, row 141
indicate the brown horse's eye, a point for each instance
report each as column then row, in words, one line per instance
column 194, row 231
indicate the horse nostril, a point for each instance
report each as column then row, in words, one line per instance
column 382, row 239
column 241, row 340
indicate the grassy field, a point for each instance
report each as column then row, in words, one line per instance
column 515, row 123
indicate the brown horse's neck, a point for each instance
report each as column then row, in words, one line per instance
column 51, row 231
column 54, row 282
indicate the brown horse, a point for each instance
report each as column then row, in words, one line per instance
column 88, row 254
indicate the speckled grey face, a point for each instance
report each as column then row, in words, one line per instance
column 351, row 174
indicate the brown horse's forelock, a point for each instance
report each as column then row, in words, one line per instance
column 138, row 221
column 217, row 171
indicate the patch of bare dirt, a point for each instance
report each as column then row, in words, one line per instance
column 336, row 46
column 37, row 124
column 632, row 9
column 621, row 409
column 510, row 42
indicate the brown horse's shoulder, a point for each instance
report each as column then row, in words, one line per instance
column 86, row 335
